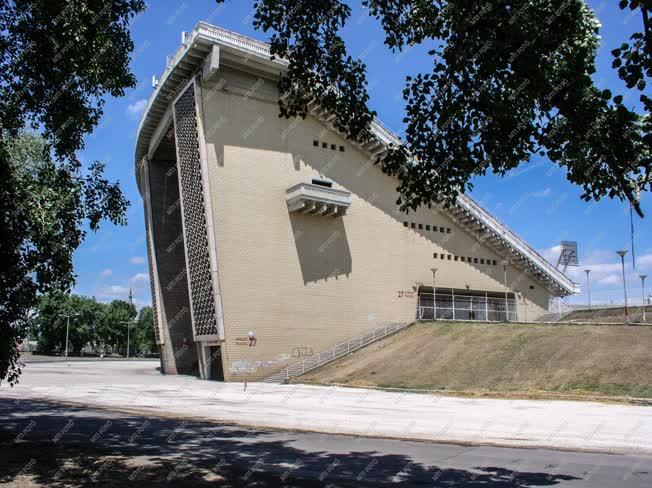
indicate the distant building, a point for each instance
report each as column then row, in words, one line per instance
column 271, row 239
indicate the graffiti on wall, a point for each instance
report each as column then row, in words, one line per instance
column 406, row 294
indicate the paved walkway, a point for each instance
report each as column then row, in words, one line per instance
column 138, row 387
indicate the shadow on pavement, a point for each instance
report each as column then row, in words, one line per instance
column 48, row 444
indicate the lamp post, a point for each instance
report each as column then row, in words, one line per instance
column 643, row 276
column 504, row 262
column 588, row 287
column 128, row 322
column 622, row 262
column 434, row 294
column 67, row 327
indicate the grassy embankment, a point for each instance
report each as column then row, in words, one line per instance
column 527, row 359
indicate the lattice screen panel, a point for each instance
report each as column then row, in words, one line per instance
column 157, row 331
column 192, row 193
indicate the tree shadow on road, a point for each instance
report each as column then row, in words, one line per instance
column 48, row 444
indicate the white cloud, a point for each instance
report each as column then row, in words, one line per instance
column 135, row 109
column 551, row 253
column 144, row 277
column 138, row 260
column 612, row 279
column 106, row 273
column 645, row 261
column 115, row 291
column 543, row 193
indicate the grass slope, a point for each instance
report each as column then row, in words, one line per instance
column 584, row 359
column 609, row 315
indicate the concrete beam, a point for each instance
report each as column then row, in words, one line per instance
column 211, row 63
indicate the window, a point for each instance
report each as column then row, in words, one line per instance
column 315, row 143
column 441, row 229
column 324, row 145
column 413, row 225
column 420, row 226
column 326, row 183
column 341, row 148
column 494, row 262
column 427, row 226
column 456, row 258
column 481, row 260
column 333, row 147
column 475, row 260
column 469, row 260
column 449, row 257
column 448, row 231
column 442, row 256
column 531, row 287
column 462, row 258
column 405, row 224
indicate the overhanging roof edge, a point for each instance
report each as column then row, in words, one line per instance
column 252, row 48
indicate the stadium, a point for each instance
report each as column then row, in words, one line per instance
column 272, row 239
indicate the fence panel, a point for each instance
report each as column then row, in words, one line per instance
column 466, row 307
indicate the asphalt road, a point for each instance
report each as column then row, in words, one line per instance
column 49, row 444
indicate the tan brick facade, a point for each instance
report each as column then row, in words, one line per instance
column 302, row 283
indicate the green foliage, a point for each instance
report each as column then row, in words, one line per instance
column 509, row 79
column 48, row 323
column 58, row 60
column 103, row 326
column 143, row 333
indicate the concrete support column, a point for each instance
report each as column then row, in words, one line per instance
column 178, row 353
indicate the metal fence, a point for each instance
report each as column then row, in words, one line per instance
column 337, row 351
column 466, row 307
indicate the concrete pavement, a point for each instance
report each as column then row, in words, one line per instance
column 137, row 386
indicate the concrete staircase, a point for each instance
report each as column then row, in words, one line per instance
column 332, row 353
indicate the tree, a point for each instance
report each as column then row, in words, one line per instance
column 58, row 60
column 49, row 322
column 100, row 325
column 509, row 79
column 143, row 333
column 113, row 324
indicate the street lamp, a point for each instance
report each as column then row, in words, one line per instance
column 588, row 287
column 642, row 277
column 622, row 261
column 128, row 322
column 434, row 294
column 67, row 327
column 504, row 262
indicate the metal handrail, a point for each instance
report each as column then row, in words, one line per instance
column 513, row 238
column 335, row 352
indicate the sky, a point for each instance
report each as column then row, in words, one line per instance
column 535, row 200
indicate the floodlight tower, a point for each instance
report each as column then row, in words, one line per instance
column 567, row 257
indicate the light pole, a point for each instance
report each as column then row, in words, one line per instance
column 504, row 262
column 434, row 294
column 588, row 287
column 643, row 276
column 67, row 327
column 622, row 262
column 128, row 322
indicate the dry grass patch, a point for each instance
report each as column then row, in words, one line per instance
column 604, row 360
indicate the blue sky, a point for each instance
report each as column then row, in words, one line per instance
column 535, row 200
